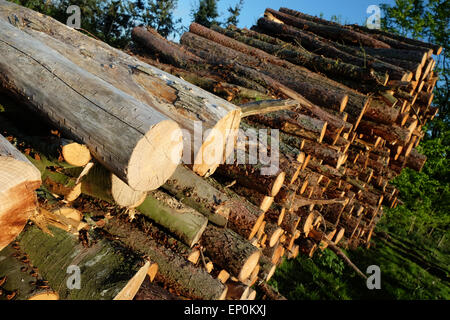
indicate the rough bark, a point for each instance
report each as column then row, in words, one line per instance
column 105, row 262
column 230, row 251
column 174, row 269
column 300, row 56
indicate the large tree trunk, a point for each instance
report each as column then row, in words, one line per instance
column 129, row 147
column 104, row 262
column 18, row 181
column 192, row 108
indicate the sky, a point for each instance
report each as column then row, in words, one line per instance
column 349, row 11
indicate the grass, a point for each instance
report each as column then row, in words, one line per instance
column 409, row 271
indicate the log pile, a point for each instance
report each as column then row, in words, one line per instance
column 348, row 105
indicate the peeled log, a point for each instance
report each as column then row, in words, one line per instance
column 130, row 142
column 19, row 179
column 189, row 106
column 230, row 251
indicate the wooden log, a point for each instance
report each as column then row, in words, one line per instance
column 333, row 50
column 151, row 86
column 331, row 32
column 270, row 292
column 379, row 111
column 151, row 291
column 174, row 269
column 18, row 181
column 416, row 160
column 295, row 123
column 392, row 133
column 401, row 40
column 229, row 250
column 65, row 91
column 184, row 222
column 97, row 265
column 300, row 56
column 167, row 51
column 267, row 106
column 101, row 183
column 21, row 280
column 218, row 54
column 237, row 291
column 267, row 268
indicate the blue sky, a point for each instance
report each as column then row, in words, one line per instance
column 350, row 11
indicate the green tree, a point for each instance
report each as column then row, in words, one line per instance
column 206, row 14
column 234, row 12
column 158, row 14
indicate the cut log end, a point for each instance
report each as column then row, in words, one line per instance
column 76, row 154
column 249, row 266
column 155, row 157
column 125, row 196
column 213, row 151
column 45, row 296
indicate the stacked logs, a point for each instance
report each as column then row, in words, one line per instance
column 348, row 105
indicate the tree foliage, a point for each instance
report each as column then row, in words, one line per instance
column 207, row 13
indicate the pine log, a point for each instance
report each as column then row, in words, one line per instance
column 192, row 108
column 398, row 41
column 105, row 262
column 65, row 91
column 267, row 106
column 379, row 111
column 300, row 56
column 184, row 222
column 270, row 292
column 18, row 181
column 416, row 160
column 230, row 251
column 330, row 49
column 392, row 133
column 218, row 54
column 151, row 291
column 167, row 51
column 329, row 31
column 174, row 269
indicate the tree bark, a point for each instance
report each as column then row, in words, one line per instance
column 332, row 50
column 19, row 179
column 182, row 221
column 335, row 33
column 230, row 251
column 218, row 54
column 302, row 57
column 22, row 282
column 104, row 262
column 174, row 270
column 94, row 118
